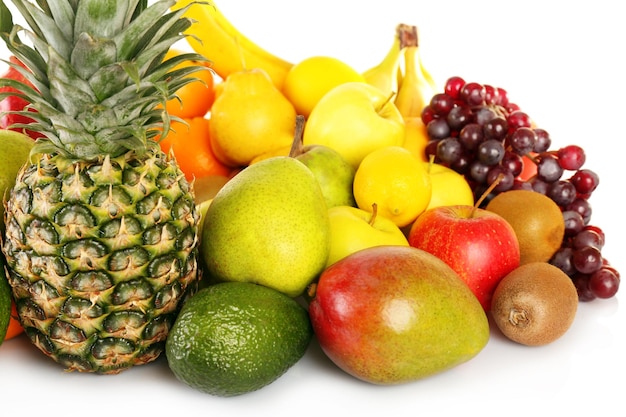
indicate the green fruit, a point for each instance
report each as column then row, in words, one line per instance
column 268, row 225
column 235, row 337
column 334, row 174
column 5, row 301
column 14, row 152
column 394, row 314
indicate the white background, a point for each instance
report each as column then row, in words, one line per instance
column 563, row 63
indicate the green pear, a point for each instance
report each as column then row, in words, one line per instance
column 333, row 172
column 268, row 225
column 14, row 152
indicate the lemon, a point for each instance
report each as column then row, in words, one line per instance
column 396, row 181
column 232, row 338
column 310, row 79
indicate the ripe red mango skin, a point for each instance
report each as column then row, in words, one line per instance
column 13, row 103
column 393, row 314
column 479, row 245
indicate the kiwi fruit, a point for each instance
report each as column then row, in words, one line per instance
column 535, row 304
column 536, row 219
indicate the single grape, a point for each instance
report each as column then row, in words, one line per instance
column 438, row 129
column 484, row 115
column 441, row 104
column 518, row 119
column 427, row 115
column 539, row 185
column 571, row 157
column 548, row 168
column 496, row 128
column 471, row 135
column 522, row 140
column 505, row 178
column 574, row 222
column 588, row 237
column 453, row 86
column 449, row 150
column 462, row 163
column 459, row 116
column 596, row 229
column 581, row 282
column 512, row 162
column 562, row 259
column 478, row 171
column 490, row 152
column 585, row 181
column 473, row 94
column 587, row 260
column 604, row 283
column 562, row 192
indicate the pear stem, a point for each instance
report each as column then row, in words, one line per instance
column 297, row 145
column 486, row 193
column 374, row 214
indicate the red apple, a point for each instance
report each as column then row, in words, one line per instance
column 393, row 314
column 479, row 245
column 14, row 103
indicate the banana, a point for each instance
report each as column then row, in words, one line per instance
column 229, row 50
column 383, row 76
column 417, row 86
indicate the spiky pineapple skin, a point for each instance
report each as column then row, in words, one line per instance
column 101, row 255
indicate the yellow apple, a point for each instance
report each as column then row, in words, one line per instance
column 355, row 119
column 448, row 187
column 353, row 229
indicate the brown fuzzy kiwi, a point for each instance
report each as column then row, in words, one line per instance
column 537, row 221
column 534, row 304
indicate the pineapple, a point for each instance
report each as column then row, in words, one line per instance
column 101, row 226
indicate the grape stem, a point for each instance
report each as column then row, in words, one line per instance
column 486, row 193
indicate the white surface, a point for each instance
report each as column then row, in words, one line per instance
column 564, row 64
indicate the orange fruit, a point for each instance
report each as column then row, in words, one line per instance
column 15, row 328
column 194, row 98
column 191, row 146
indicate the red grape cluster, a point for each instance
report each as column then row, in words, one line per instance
column 474, row 129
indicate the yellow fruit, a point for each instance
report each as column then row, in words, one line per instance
column 228, row 49
column 310, row 79
column 354, row 119
column 415, row 137
column 250, row 117
column 396, row 181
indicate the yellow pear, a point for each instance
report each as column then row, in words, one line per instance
column 250, row 117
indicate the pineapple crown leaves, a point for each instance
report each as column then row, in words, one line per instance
column 97, row 71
